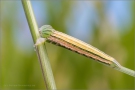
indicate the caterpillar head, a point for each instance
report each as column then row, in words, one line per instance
column 45, row 31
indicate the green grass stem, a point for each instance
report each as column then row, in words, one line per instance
column 40, row 49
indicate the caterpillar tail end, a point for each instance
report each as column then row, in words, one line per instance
column 120, row 68
column 126, row 71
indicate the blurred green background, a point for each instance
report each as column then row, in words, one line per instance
column 107, row 25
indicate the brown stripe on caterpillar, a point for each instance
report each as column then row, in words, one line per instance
column 81, row 44
column 60, row 36
column 76, row 49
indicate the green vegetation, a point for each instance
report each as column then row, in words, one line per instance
column 19, row 65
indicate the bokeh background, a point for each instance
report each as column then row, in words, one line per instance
column 107, row 25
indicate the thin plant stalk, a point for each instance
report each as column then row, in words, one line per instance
column 40, row 50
